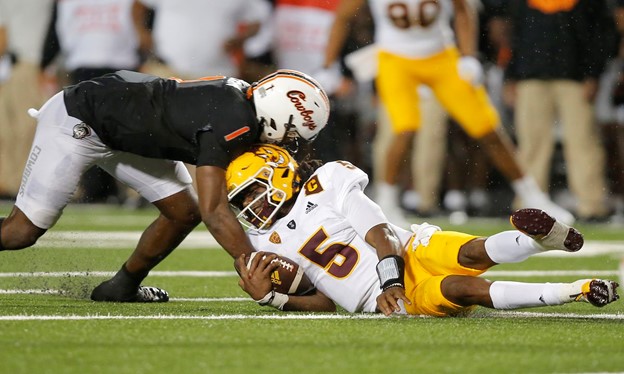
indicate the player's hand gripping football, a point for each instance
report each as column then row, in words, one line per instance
column 388, row 301
column 255, row 278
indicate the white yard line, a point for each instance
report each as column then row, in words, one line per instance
column 62, row 274
column 200, row 239
column 221, row 274
column 116, row 239
column 295, row 316
column 175, row 317
column 182, row 299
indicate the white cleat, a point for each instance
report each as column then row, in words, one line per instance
column 597, row 292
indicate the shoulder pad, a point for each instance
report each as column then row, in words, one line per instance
column 339, row 176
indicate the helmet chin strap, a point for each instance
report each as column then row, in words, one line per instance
column 291, row 143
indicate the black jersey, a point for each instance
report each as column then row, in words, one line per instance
column 201, row 122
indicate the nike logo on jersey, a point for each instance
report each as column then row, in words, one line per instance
column 518, row 239
column 310, row 207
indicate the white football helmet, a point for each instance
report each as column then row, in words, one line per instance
column 290, row 105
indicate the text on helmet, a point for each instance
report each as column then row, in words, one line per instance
column 296, row 97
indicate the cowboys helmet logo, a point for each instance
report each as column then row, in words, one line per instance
column 81, row 131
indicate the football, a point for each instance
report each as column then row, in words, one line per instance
column 289, row 278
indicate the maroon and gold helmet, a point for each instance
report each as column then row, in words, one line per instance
column 259, row 182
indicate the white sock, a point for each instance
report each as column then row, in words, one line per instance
column 510, row 247
column 386, row 194
column 515, row 295
column 527, row 189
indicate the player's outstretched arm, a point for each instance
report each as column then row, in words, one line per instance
column 316, row 301
column 255, row 279
column 216, row 213
column 390, row 268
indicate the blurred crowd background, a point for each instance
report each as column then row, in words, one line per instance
column 46, row 44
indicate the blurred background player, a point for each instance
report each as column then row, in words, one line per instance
column 197, row 38
column 24, row 23
column 300, row 32
column 556, row 78
column 609, row 112
column 416, row 46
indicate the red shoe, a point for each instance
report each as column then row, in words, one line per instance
column 546, row 230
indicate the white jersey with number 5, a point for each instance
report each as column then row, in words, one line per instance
column 412, row 28
column 324, row 234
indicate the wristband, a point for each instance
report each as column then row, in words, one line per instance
column 275, row 299
column 391, row 272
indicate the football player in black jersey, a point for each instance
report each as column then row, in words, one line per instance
column 141, row 129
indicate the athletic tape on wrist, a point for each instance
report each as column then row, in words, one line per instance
column 391, row 272
column 275, row 299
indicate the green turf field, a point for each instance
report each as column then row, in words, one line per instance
column 48, row 324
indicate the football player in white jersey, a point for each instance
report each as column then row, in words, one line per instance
column 416, row 46
column 320, row 217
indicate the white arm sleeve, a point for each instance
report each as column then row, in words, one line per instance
column 361, row 212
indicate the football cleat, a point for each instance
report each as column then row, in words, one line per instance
column 148, row 294
column 597, row 292
column 110, row 291
column 547, row 231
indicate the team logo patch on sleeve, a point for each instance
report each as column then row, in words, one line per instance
column 313, row 186
column 81, row 131
column 275, row 238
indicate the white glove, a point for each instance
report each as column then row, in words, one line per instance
column 470, row 70
column 329, row 78
column 423, row 232
column 363, row 63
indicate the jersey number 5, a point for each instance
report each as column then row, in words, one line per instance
column 423, row 14
column 338, row 259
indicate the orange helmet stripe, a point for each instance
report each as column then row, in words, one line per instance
column 296, row 75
